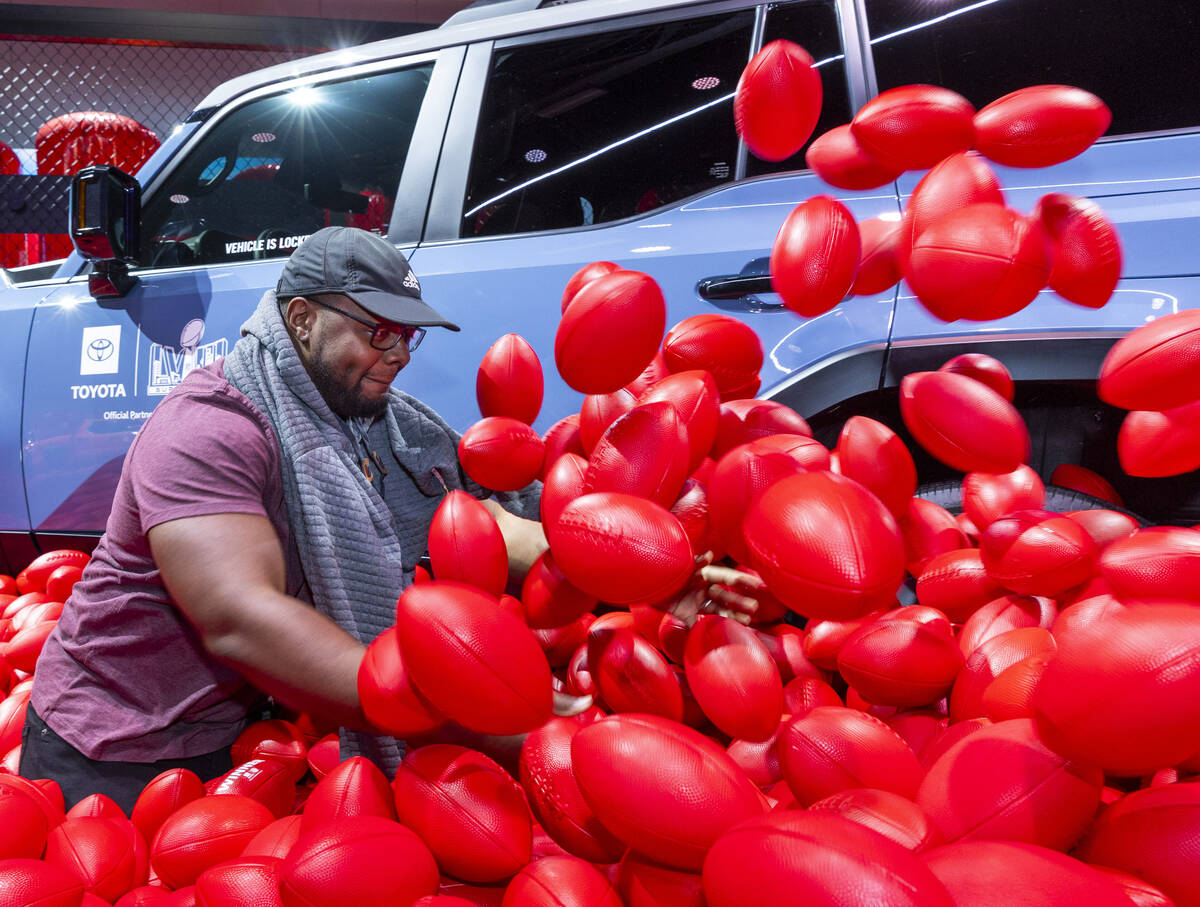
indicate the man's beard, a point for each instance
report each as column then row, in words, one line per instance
column 347, row 402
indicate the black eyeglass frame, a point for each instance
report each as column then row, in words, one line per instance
column 380, row 329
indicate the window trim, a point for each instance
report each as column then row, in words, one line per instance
column 412, row 193
column 450, row 186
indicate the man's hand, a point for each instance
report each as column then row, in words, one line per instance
column 715, row 590
column 524, row 539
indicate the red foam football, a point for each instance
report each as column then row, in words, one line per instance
column 560, row 643
column 25, row 882
column 957, row 584
column 1011, row 694
column 733, row 677
column 1156, row 444
column 564, row 436
column 833, row 748
column 825, row 545
column 815, row 256
column 985, row 368
column 584, row 276
column 896, row 818
column 959, row 180
column 901, row 662
column 742, row 421
column 274, row 739
column 96, row 851
column 691, row 508
column 548, row 598
column 1080, row 478
column 644, row 453
column 1156, row 366
column 839, row 159
column 1105, row 527
column 803, row 694
column 203, row 833
column 162, row 796
column 1003, row 873
column 269, row 782
column 1004, row 783
column 694, row 396
column 620, row 548
column 979, row 262
column 740, row 477
column 1029, row 554
column 1154, row 834
column 465, row 544
column 778, row 100
column 1041, row 125
column 276, row 840
column 1085, row 248
column 22, row 651
column 563, row 484
column 631, row 675
column 728, row 349
column 643, row 883
column 476, row 663
column 963, row 423
column 1123, row 692
column 785, row 644
column 469, row 811
column 987, row 496
column 501, row 454
column 355, row 787
column 1009, row 612
column 928, row 530
column 357, row 860
column 662, row 788
column 34, row 576
column 557, row 881
column 802, row 857
column 549, row 782
column 23, row 825
column 62, row 580
column 610, row 331
column 246, row 880
column 873, row 455
column 988, row 660
column 387, row 694
column 12, row 720
column 1156, row 563
column 509, row 381
column 878, row 267
column 914, row 126
column 324, row 755
column 598, row 412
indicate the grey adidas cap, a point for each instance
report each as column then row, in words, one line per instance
column 363, row 266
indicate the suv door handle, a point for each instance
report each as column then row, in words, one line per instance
column 738, row 292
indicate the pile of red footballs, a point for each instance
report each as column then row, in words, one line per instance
column 961, row 250
column 1028, row 732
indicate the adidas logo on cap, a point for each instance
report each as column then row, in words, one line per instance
column 410, row 281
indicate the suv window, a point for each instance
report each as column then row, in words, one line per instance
column 814, row 27
column 1139, row 57
column 591, row 129
column 282, row 167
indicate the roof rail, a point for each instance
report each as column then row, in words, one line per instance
column 488, row 9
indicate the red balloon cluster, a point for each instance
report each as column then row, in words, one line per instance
column 965, row 255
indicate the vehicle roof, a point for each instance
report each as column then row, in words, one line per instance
column 493, row 27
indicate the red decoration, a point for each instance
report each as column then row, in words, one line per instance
column 914, row 126
column 963, row 423
column 465, row 544
column 778, row 100
column 1041, row 125
column 980, row 262
column 1085, row 249
column 509, row 382
column 469, row 810
column 839, row 159
column 475, row 663
column 620, row 548
column 501, row 454
column 815, row 256
column 610, row 332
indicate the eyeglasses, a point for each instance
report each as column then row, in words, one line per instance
column 383, row 336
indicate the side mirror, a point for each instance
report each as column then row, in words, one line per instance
column 105, row 221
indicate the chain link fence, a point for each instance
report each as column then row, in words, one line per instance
column 69, row 103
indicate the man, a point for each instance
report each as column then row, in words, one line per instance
column 288, row 475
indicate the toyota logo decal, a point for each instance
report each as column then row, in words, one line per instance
column 100, row 349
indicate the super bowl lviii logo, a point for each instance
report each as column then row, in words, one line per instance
column 101, row 351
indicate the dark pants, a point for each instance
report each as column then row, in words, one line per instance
column 44, row 754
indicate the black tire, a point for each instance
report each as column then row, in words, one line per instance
column 1058, row 500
